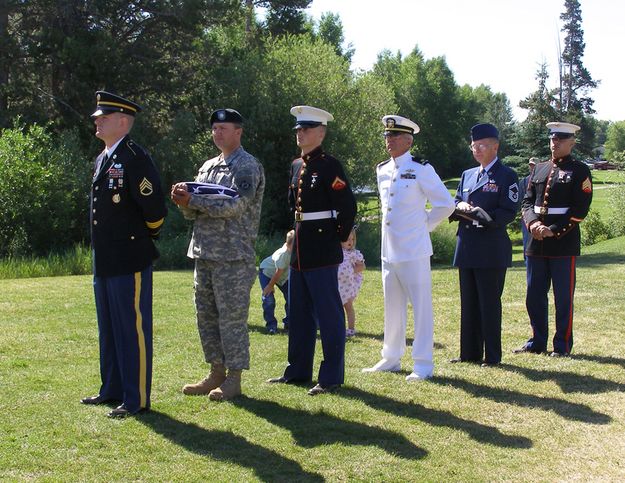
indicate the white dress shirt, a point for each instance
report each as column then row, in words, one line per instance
column 405, row 186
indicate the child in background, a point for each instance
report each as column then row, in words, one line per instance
column 350, row 279
column 274, row 271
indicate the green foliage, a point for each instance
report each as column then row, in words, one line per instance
column 444, row 243
column 43, row 187
column 615, row 140
column 425, row 91
column 75, row 261
column 617, row 203
column 594, row 229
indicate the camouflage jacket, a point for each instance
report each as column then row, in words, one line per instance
column 226, row 229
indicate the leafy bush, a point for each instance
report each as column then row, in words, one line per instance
column 444, row 243
column 44, row 191
column 594, row 229
column 617, row 201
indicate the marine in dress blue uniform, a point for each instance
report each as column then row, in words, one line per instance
column 557, row 200
column 127, row 212
column 324, row 208
column 483, row 248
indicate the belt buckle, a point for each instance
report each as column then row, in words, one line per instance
column 544, row 210
column 299, row 216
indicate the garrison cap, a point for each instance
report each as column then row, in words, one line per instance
column 226, row 115
column 308, row 116
column 399, row 124
column 562, row 130
column 484, row 131
column 107, row 103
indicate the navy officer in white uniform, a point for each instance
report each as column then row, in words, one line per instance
column 483, row 248
column 405, row 184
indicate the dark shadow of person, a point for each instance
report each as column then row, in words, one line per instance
column 479, row 432
column 228, row 447
column 618, row 361
column 565, row 409
column 571, row 382
column 317, row 429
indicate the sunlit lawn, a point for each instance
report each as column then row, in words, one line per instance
column 533, row 419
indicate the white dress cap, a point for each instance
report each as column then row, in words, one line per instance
column 399, row 124
column 308, row 116
column 562, row 128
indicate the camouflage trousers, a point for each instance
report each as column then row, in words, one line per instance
column 222, row 302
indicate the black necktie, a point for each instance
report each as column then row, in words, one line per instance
column 99, row 166
column 479, row 175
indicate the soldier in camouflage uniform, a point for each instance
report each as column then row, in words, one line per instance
column 222, row 245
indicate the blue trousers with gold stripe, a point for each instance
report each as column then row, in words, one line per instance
column 124, row 310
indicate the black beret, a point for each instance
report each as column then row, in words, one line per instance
column 226, row 115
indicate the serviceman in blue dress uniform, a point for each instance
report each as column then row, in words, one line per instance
column 486, row 201
column 127, row 212
column 324, row 207
column 557, row 200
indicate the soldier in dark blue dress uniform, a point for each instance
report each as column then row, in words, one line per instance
column 324, row 208
column 557, row 200
column 486, row 201
column 127, row 212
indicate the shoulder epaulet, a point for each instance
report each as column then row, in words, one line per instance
column 134, row 147
column 420, row 160
column 382, row 163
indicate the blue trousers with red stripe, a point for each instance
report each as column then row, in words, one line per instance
column 541, row 273
column 124, row 311
column 314, row 301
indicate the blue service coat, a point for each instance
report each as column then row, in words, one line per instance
column 497, row 192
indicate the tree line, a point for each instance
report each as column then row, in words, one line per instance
column 182, row 59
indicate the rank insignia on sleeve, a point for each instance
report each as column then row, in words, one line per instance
column 587, row 185
column 145, row 187
column 338, row 184
column 513, row 192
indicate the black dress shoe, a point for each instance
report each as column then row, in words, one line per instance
column 490, row 364
column 278, row 380
column 122, row 412
column 526, row 348
column 119, row 412
column 93, row 400
column 319, row 389
column 559, row 354
column 455, row 360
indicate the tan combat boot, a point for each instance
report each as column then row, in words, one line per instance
column 216, row 377
column 230, row 388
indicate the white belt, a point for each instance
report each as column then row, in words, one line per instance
column 541, row 210
column 314, row 215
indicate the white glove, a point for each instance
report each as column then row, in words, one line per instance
column 464, row 206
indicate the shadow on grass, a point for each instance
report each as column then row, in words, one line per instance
column 228, row 447
column 318, row 429
column 600, row 359
column 597, row 259
column 565, row 409
column 572, row 382
column 479, row 432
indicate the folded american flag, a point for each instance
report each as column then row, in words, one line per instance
column 213, row 190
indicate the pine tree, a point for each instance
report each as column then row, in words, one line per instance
column 575, row 79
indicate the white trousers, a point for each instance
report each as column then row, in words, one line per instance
column 403, row 282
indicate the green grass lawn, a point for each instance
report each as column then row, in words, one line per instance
column 532, row 419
